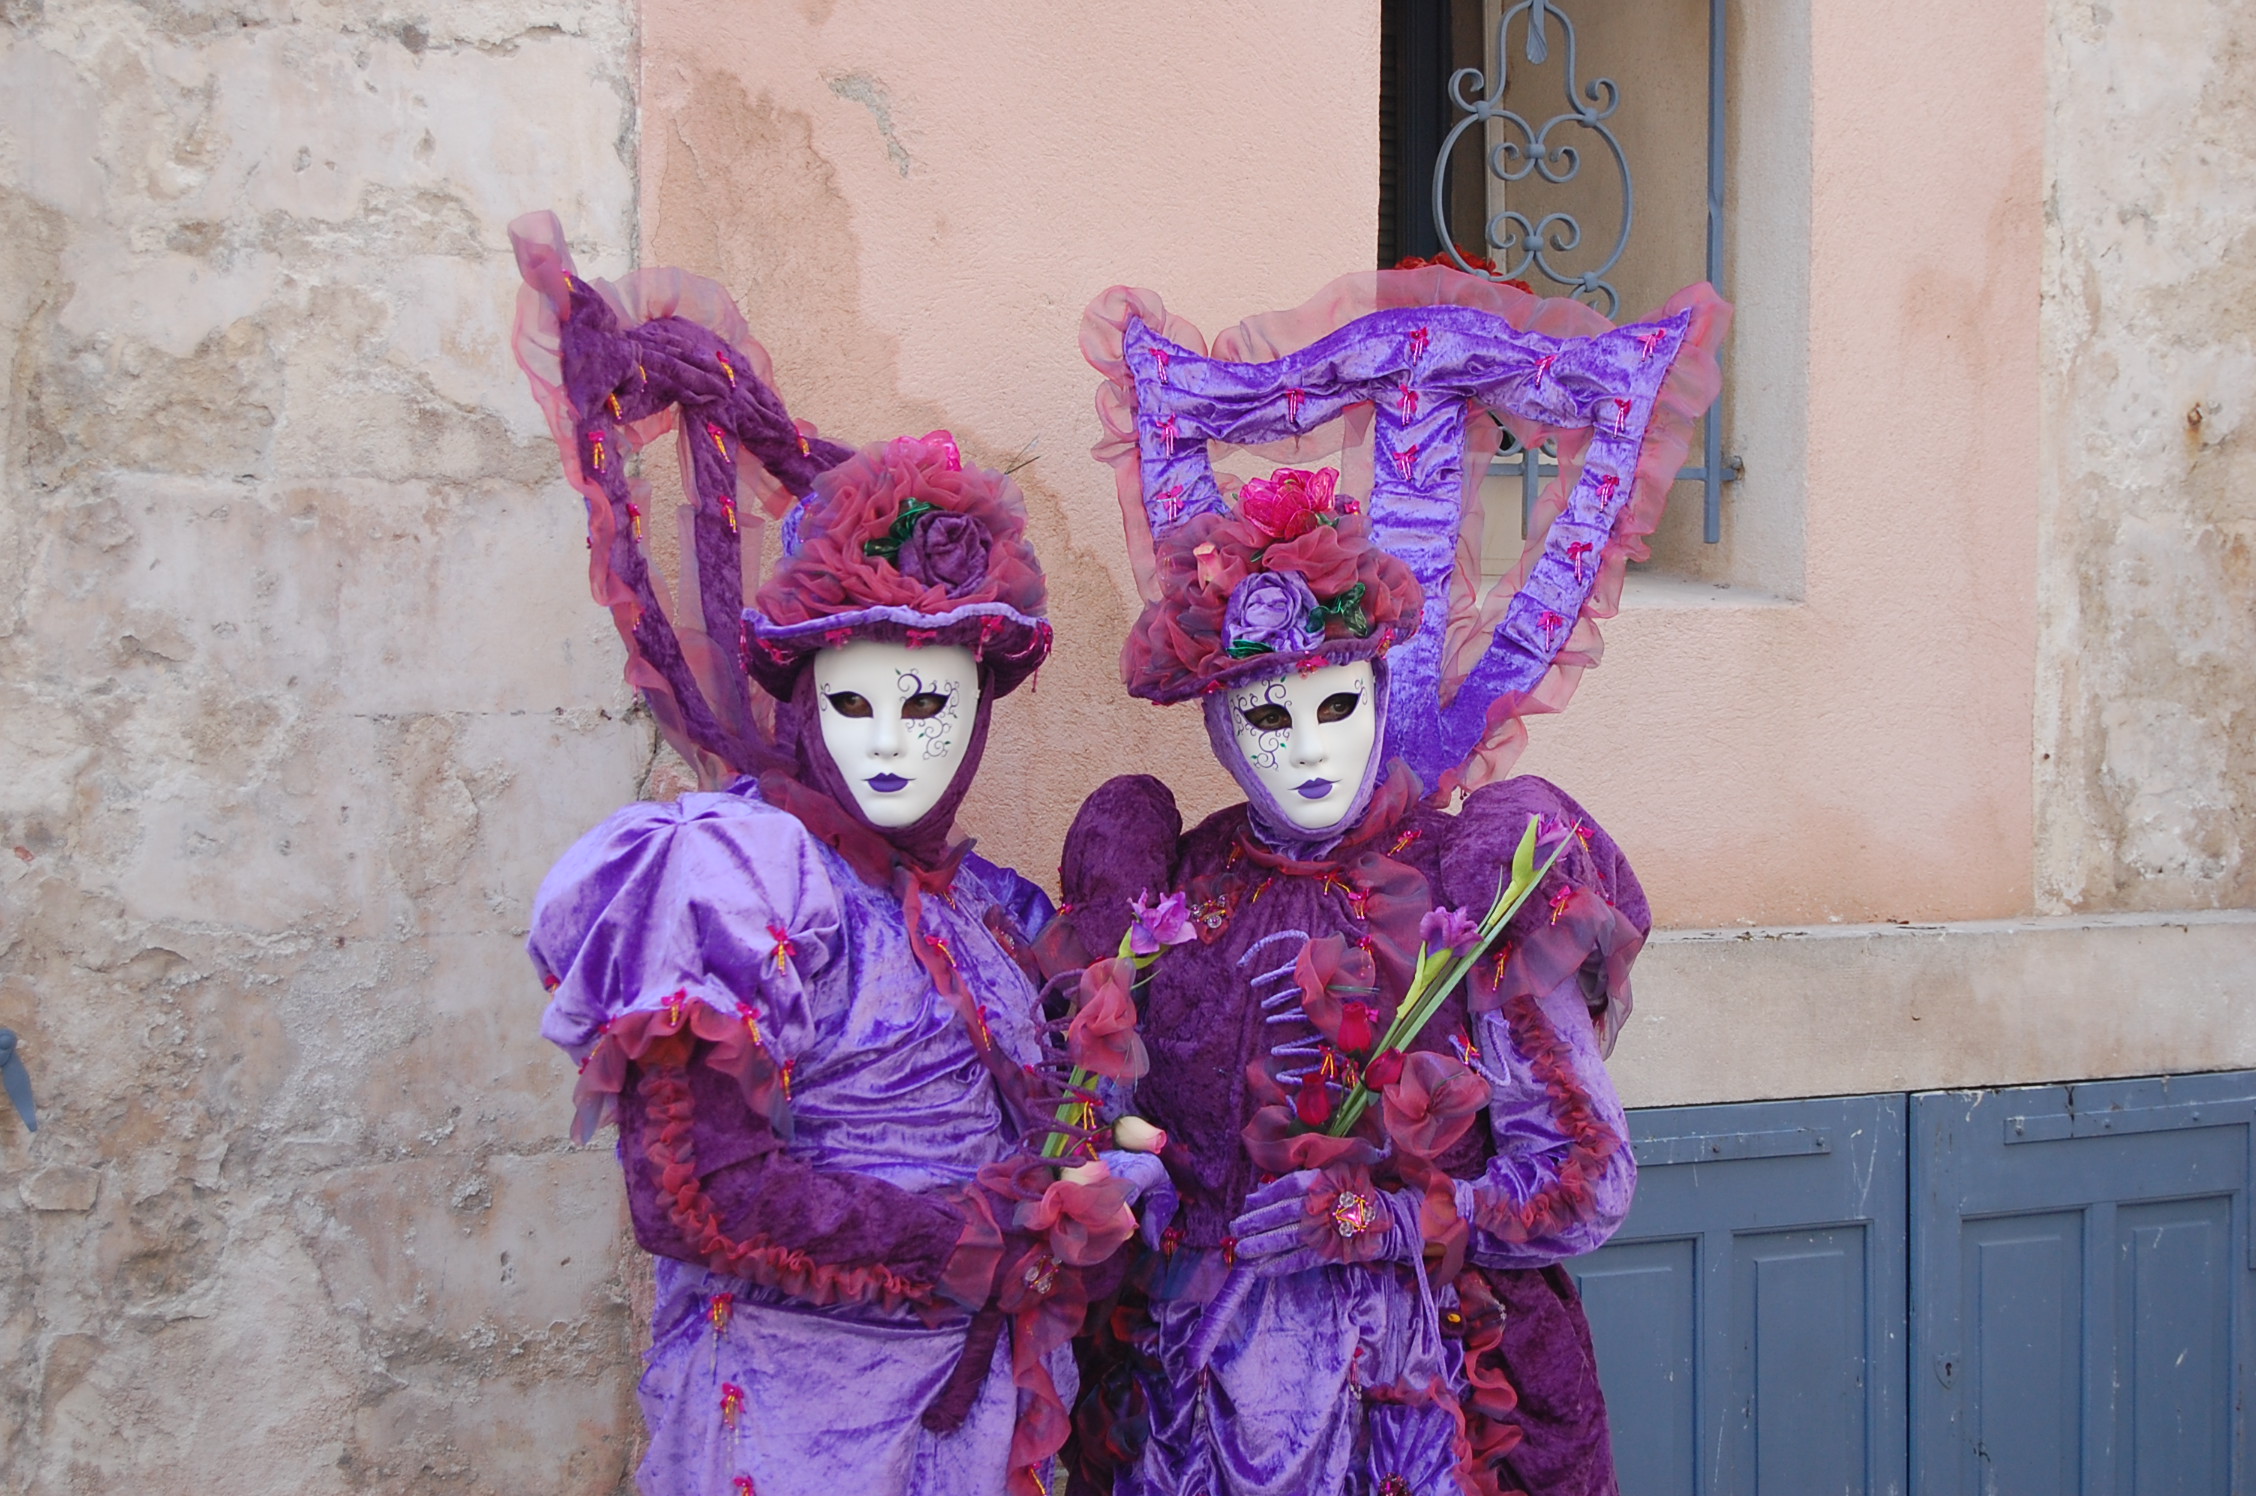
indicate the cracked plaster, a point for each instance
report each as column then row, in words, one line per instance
column 2146, row 774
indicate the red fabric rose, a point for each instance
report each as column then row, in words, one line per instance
column 1332, row 974
column 1289, row 502
column 1431, row 1104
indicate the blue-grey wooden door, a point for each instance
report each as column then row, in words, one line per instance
column 1749, row 1316
column 2080, row 1265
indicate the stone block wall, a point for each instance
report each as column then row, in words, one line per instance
column 289, row 596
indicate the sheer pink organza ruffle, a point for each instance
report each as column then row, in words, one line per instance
column 1475, row 605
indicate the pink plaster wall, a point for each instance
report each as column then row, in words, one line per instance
column 1865, row 753
column 914, row 203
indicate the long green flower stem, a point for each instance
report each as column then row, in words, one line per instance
column 1438, row 972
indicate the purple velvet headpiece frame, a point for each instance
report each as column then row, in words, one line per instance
column 615, row 367
column 1418, row 374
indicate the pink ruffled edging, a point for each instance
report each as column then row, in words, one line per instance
column 1691, row 387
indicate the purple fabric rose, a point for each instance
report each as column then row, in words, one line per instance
column 946, row 550
column 1155, row 927
column 1270, row 610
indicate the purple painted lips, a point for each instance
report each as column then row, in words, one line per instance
column 887, row 784
column 1313, row 789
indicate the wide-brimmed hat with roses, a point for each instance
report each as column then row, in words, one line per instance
column 905, row 543
column 1291, row 578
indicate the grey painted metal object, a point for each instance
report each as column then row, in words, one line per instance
column 2084, row 1322
column 1527, row 149
column 1750, row 1314
column 1547, row 246
column 16, row 1080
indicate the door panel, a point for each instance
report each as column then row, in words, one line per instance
column 2174, row 1290
column 2079, row 1269
column 1643, row 1294
column 1749, row 1315
column 2023, row 1278
column 1801, row 1335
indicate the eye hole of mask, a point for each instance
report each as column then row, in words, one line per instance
column 1339, row 706
column 849, row 704
column 923, row 705
column 1268, row 717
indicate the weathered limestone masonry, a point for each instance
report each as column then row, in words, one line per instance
column 2147, row 674
column 289, row 590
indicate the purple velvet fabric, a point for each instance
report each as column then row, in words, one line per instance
column 1449, row 355
column 890, row 1103
column 760, row 1190
column 1280, row 1410
column 947, row 550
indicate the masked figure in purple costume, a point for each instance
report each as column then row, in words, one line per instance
column 1379, row 1312
column 815, row 1020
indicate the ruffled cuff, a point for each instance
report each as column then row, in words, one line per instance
column 709, row 1182
column 1563, row 1176
column 666, row 1036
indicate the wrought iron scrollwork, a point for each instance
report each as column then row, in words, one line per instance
column 1522, row 243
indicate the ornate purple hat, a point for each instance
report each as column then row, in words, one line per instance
column 897, row 541
column 904, row 542
column 1392, row 371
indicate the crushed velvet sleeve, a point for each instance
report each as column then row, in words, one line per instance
column 688, row 946
column 1561, row 1178
column 1020, row 896
column 758, row 1212
column 1123, row 844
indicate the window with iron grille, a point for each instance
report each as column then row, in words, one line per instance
column 1578, row 147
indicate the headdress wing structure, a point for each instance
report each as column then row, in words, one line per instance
column 615, row 367
column 1402, row 371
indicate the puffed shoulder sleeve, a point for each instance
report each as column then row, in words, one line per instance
column 715, row 897
column 1588, row 917
column 684, row 943
column 1561, row 1176
column 1122, row 845
column 712, row 915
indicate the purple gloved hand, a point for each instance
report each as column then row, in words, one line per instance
column 1148, row 1187
column 1278, row 1232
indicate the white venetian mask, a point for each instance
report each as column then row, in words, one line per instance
column 1309, row 738
column 896, row 721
